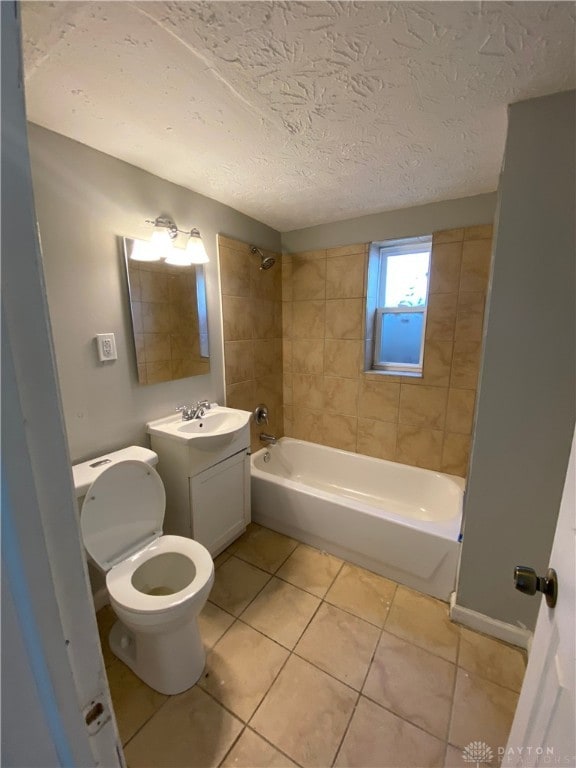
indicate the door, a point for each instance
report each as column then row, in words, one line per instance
column 543, row 732
column 56, row 704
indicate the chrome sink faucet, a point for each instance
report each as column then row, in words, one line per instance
column 190, row 412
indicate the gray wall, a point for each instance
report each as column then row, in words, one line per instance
column 84, row 201
column 526, row 402
column 405, row 222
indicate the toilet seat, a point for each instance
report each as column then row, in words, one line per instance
column 123, row 591
column 123, row 511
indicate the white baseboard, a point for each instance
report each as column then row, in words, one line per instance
column 100, row 598
column 480, row 623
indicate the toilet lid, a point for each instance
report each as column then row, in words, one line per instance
column 123, row 511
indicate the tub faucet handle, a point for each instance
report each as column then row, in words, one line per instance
column 261, row 414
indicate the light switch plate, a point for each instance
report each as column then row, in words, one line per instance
column 106, row 344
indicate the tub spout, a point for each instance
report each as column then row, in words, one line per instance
column 268, row 439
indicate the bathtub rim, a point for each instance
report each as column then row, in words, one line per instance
column 445, row 529
column 460, row 482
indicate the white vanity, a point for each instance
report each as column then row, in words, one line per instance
column 205, row 466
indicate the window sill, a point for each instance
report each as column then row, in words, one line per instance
column 403, row 374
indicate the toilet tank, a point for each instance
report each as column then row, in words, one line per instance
column 85, row 473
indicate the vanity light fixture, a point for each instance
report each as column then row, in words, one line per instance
column 195, row 248
column 161, row 245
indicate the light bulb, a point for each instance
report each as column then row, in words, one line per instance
column 143, row 251
column 195, row 249
column 178, row 257
column 161, row 243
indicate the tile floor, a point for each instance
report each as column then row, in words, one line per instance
column 315, row 662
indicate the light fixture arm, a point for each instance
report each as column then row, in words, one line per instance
column 194, row 253
column 163, row 222
column 173, row 231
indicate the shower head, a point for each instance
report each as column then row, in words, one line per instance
column 265, row 261
column 268, row 262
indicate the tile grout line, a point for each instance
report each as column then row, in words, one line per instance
column 456, row 668
column 275, row 747
column 303, row 589
column 290, row 653
column 260, row 736
column 162, row 705
column 346, row 729
column 388, row 709
column 234, row 742
column 364, row 680
column 478, row 675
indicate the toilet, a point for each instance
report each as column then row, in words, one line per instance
column 157, row 584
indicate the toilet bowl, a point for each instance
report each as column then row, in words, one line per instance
column 157, row 584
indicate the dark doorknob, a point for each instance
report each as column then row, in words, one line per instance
column 526, row 580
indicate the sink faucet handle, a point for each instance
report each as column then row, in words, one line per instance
column 205, row 404
column 187, row 412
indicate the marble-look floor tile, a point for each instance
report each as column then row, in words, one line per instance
column 221, row 558
column 213, row 622
column 236, row 584
column 305, row 713
column 413, row 683
column 241, row 668
column 424, row 621
column 489, row 658
column 362, row 593
column 340, row 644
column 310, row 569
column 455, row 758
column 134, row 702
column 251, row 751
column 264, row 548
column 250, row 528
column 378, row 739
column 281, row 611
column 482, row 711
column 190, row 731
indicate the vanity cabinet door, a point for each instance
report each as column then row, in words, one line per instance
column 220, row 498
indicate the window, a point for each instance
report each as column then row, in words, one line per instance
column 402, row 269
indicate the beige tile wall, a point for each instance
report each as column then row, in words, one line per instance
column 329, row 399
column 165, row 322
column 252, row 317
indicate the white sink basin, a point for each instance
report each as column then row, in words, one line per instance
column 218, row 424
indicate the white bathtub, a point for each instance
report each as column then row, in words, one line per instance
column 399, row 521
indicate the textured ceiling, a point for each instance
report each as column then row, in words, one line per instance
column 297, row 113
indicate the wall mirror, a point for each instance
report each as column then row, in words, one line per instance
column 169, row 318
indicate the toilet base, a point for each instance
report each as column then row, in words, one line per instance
column 169, row 662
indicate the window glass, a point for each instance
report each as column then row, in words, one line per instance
column 406, row 280
column 401, row 338
column 402, row 297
